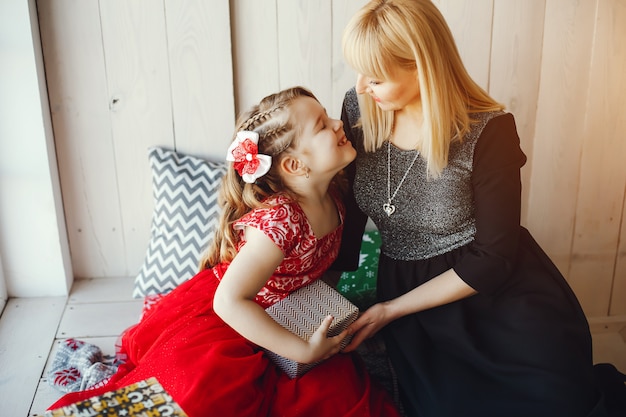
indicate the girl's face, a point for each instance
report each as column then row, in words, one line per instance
column 322, row 144
column 397, row 93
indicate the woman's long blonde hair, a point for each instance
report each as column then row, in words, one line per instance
column 412, row 34
column 277, row 135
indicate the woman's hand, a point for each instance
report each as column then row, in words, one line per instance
column 320, row 346
column 442, row 289
column 368, row 324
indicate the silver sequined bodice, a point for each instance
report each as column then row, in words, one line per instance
column 433, row 216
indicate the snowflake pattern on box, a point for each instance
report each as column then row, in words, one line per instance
column 142, row 399
column 360, row 286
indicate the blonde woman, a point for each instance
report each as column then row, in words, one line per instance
column 476, row 319
column 280, row 228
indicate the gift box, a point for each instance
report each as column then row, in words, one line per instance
column 142, row 399
column 303, row 311
column 360, row 286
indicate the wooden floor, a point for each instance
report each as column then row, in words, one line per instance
column 98, row 310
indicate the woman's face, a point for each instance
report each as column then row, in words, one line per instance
column 397, row 93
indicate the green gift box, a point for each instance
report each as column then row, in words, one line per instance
column 360, row 286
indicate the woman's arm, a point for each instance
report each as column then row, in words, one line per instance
column 443, row 289
column 234, row 303
column 497, row 188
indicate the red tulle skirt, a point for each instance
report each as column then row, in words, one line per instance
column 210, row 370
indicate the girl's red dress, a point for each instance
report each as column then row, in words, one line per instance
column 211, row 370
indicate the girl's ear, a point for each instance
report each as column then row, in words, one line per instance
column 292, row 166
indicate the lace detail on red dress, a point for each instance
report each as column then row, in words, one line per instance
column 306, row 256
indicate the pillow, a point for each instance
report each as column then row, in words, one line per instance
column 183, row 221
column 360, row 286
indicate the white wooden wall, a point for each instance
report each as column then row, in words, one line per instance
column 124, row 75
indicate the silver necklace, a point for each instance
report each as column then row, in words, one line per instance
column 388, row 207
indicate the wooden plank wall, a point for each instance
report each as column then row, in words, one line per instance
column 123, row 76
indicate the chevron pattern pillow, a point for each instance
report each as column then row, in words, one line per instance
column 184, row 217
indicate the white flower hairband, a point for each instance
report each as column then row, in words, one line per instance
column 248, row 162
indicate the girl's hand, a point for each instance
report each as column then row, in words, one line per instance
column 321, row 346
column 367, row 325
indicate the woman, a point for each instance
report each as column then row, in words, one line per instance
column 476, row 319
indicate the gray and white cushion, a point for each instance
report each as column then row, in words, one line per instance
column 183, row 221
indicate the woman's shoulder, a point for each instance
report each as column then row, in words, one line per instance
column 350, row 115
column 480, row 121
column 489, row 131
column 497, row 139
column 351, row 104
column 351, row 95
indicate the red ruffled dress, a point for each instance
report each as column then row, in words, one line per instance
column 211, row 370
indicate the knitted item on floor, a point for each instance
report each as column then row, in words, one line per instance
column 77, row 366
column 96, row 375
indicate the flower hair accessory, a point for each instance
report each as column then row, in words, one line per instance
column 244, row 152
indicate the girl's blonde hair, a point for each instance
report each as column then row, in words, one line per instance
column 412, row 34
column 277, row 135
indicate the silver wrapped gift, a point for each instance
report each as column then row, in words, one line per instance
column 303, row 311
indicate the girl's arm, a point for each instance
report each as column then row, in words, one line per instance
column 234, row 303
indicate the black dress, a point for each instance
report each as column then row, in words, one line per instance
column 521, row 346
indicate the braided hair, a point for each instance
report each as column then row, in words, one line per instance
column 277, row 134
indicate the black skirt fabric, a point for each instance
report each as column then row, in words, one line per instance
column 522, row 351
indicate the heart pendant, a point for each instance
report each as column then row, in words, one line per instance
column 389, row 208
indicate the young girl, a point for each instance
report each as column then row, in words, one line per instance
column 280, row 228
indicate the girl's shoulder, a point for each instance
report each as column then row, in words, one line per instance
column 280, row 218
column 275, row 210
